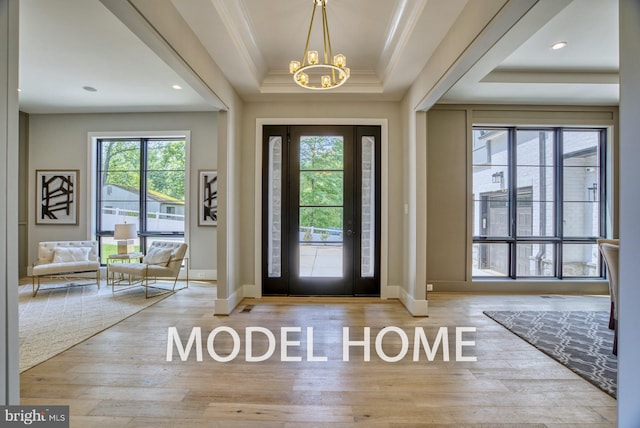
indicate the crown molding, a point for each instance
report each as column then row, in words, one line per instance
column 236, row 20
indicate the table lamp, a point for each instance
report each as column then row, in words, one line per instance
column 125, row 234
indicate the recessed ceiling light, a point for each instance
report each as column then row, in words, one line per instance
column 177, row 87
column 89, row 89
column 558, row 45
column 19, row 90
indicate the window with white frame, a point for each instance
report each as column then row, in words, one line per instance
column 538, row 201
column 140, row 181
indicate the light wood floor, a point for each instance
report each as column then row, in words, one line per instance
column 119, row 378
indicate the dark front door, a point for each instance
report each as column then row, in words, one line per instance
column 321, row 210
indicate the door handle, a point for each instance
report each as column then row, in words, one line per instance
column 350, row 232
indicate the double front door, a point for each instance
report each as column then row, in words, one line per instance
column 321, row 210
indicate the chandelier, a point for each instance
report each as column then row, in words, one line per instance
column 332, row 72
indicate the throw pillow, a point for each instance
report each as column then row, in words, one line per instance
column 157, row 256
column 71, row 254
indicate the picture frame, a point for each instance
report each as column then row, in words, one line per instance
column 57, row 193
column 208, row 198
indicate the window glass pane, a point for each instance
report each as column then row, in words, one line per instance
column 321, row 224
column 165, row 197
column 490, row 179
column 119, row 181
column 321, row 187
column 320, row 242
column 581, row 183
column 581, row 219
column 537, row 182
column 490, row 259
column 581, row 144
column 534, row 217
column 492, row 217
column 120, row 155
column 116, row 212
column 274, row 233
column 321, row 260
column 535, row 259
column 367, row 233
column 580, row 260
column 535, row 148
column 321, row 153
column 490, row 147
column 165, row 213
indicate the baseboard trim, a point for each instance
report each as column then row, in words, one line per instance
column 417, row 308
column 252, row 291
column 390, row 292
column 226, row 306
column 203, row 274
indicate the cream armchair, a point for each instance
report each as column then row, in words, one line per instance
column 610, row 251
column 163, row 260
column 612, row 287
column 65, row 258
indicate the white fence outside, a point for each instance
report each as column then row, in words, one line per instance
column 156, row 221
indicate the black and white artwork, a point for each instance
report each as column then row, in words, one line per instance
column 208, row 199
column 57, row 196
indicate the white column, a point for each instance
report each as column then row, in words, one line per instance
column 9, row 366
column 628, row 314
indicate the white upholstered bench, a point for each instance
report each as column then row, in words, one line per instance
column 64, row 258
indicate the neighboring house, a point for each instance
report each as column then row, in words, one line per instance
column 127, row 198
column 120, row 203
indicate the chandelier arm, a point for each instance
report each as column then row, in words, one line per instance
column 325, row 32
column 306, row 46
column 327, row 41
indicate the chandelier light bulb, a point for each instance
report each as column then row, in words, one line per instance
column 339, row 60
column 303, row 78
column 326, row 81
column 312, row 57
column 294, row 66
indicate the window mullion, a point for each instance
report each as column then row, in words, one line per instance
column 513, row 195
column 143, row 192
column 602, row 161
column 559, row 172
column 99, row 197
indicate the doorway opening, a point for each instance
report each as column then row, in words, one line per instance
column 321, row 210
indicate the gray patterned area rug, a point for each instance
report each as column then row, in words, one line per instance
column 60, row 316
column 581, row 340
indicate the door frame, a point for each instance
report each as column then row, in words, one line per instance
column 386, row 291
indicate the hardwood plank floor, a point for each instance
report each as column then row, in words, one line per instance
column 120, row 377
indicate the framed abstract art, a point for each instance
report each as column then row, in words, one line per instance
column 208, row 198
column 57, row 196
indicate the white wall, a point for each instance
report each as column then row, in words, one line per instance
column 9, row 344
column 61, row 142
column 628, row 314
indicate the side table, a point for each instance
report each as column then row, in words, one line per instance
column 121, row 258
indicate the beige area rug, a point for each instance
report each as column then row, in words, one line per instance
column 62, row 316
